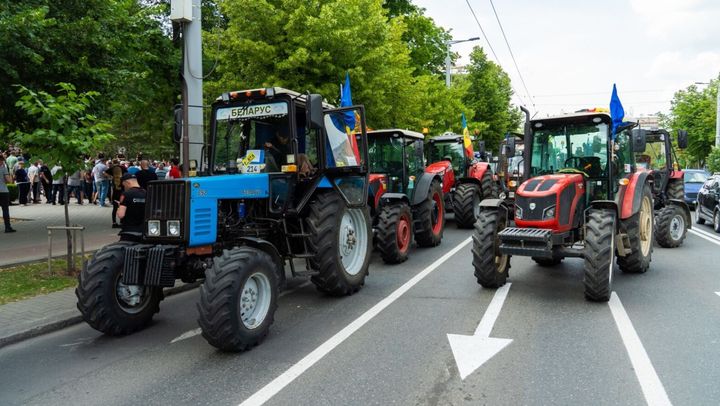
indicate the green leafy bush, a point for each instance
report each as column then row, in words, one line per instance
column 713, row 160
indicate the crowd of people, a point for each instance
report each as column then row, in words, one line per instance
column 101, row 183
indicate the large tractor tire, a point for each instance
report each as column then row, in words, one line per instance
column 639, row 229
column 676, row 189
column 467, row 204
column 394, row 232
column 429, row 218
column 491, row 267
column 238, row 299
column 489, row 189
column 670, row 227
column 547, row 261
column 599, row 254
column 107, row 304
column 698, row 219
column 341, row 240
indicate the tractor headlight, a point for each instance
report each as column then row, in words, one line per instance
column 153, row 228
column 518, row 212
column 173, row 228
column 549, row 213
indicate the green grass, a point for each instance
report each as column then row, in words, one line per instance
column 25, row 281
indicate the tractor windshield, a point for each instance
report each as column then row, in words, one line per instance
column 653, row 157
column 252, row 138
column 452, row 151
column 580, row 148
column 386, row 155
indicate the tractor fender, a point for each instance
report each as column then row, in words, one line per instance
column 423, row 186
column 497, row 204
column 679, row 174
column 478, row 169
column 685, row 209
column 387, row 198
column 445, row 171
column 605, row 205
column 270, row 249
column 629, row 197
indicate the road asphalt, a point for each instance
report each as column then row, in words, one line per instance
column 388, row 344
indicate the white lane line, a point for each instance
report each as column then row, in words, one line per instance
column 707, row 233
column 717, row 293
column 705, row 237
column 197, row 331
column 277, row 384
column 650, row 383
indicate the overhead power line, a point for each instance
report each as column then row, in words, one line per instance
column 512, row 55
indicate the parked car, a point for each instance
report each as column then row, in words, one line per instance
column 694, row 179
column 708, row 206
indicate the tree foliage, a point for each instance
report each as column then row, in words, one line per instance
column 694, row 110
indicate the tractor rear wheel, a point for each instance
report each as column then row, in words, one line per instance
column 238, row 299
column 599, row 254
column 429, row 217
column 341, row 240
column 489, row 190
column 670, row 227
column 676, row 189
column 467, row 204
column 639, row 229
column 107, row 304
column 394, row 232
column 491, row 267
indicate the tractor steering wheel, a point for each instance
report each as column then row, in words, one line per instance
column 575, row 168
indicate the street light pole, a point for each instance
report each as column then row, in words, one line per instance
column 448, row 60
column 717, row 114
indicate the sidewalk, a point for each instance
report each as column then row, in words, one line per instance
column 30, row 243
column 47, row 313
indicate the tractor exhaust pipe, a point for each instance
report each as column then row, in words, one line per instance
column 527, row 138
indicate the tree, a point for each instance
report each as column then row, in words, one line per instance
column 64, row 132
column 713, row 160
column 488, row 96
column 694, row 110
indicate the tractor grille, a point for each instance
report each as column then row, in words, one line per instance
column 540, row 204
column 165, row 200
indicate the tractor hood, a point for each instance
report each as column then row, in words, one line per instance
column 550, row 201
column 438, row 167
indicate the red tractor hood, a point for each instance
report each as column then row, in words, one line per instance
column 550, row 201
column 548, row 184
column 438, row 167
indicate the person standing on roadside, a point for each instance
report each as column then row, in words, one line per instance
column 174, row 172
column 46, row 180
column 22, row 182
column 75, row 185
column 101, row 181
column 133, row 168
column 58, row 185
column 132, row 207
column 34, row 177
column 5, row 178
column 145, row 175
column 115, row 173
column 11, row 160
column 160, row 171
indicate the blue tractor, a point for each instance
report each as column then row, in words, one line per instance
column 286, row 180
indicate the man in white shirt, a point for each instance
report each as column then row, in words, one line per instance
column 101, row 181
column 58, row 186
column 34, row 176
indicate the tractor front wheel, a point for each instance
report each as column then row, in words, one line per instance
column 670, row 227
column 238, row 299
column 394, row 232
column 676, row 189
column 491, row 267
column 107, row 304
column 429, row 217
column 467, row 204
column 599, row 253
column 341, row 240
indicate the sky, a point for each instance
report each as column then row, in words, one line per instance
column 571, row 52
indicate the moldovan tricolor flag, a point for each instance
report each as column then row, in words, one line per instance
column 350, row 117
column 467, row 142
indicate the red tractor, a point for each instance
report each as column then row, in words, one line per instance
column 583, row 198
column 672, row 214
column 466, row 181
column 404, row 198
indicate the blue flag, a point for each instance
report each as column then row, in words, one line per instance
column 346, row 101
column 617, row 112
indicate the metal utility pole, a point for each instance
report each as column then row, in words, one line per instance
column 448, row 59
column 188, row 13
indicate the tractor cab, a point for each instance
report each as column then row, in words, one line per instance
column 396, row 162
column 659, row 158
column 449, row 148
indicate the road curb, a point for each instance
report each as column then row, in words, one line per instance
column 56, row 325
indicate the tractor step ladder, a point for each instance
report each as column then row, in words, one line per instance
column 306, row 254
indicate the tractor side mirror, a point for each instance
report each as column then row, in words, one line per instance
column 639, row 140
column 314, row 111
column 682, row 139
column 178, row 123
column 510, row 147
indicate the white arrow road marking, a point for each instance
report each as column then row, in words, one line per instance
column 471, row 352
column 650, row 383
column 717, row 293
column 705, row 236
column 277, row 384
column 197, row 331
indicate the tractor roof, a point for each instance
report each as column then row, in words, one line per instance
column 582, row 117
column 265, row 91
column 403, row 133
column 449, row 137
